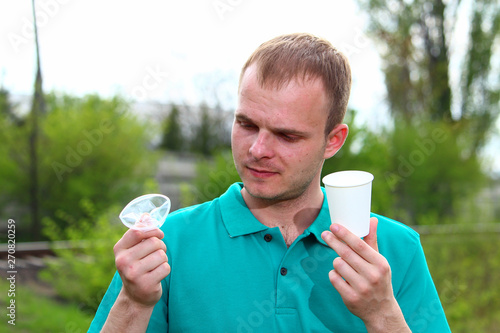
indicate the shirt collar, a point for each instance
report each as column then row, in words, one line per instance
column 322, row 221
column 239, row 220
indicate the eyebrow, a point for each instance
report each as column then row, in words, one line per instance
column 242, row 117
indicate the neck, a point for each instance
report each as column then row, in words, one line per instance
column 292, row 216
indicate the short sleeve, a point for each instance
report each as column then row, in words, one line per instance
column 106, row 304
column 418, row 298
column 157, row 323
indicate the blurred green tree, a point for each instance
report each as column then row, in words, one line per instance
column 417, row 180
column 7, row 113
column 91, row 148
column 428, row 175
column 426, row 96
column 173, row 138
column 415, row 38
column 211, row 133
column 203, row 137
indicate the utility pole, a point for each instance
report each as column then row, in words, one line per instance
column 37, row 109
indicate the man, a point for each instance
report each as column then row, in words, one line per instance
column 263, row 257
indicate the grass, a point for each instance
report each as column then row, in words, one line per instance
column 466, row 268
column 37, row 312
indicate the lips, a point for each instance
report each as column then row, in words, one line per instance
column 261, row 173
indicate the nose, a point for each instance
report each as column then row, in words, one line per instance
column 262, row 147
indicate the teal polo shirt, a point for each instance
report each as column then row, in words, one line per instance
column 231, row 273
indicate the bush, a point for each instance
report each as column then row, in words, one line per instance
column 430, row 174
column 89, row 148
column 81, row 273
column 213, row 177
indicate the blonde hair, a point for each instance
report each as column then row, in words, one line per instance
column 305, row 56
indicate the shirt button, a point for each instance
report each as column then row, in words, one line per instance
column 283, row 271
column 268, row 237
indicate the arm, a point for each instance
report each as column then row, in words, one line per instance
column 362, row 276
column 142, row 263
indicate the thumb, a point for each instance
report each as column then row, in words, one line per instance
column 371, row 239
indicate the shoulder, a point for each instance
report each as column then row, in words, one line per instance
column 397, row 242
column 393, row 231
column 202, row 215
column 191, row 217
column 401, row 246
column 189, row 227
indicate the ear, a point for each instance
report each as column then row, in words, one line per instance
column 335, row 140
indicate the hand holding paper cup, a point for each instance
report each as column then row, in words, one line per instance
column 349, row 199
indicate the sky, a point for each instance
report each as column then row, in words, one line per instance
column 174, row 51
column 170, row 51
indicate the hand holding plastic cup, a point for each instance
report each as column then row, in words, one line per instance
column 349, row 199
column 146, row 212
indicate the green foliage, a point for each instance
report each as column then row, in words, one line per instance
column 13, row 158
column 416, row 48
column 213, row 177
column 429, row 173
column 479, row 85
column 201, row 130
column 465, row 267
column 36, row 312
column 210, row 134
column 90, row 148
column 421, row 174
column 82, row 272
column 7, row 114
column 173, row 138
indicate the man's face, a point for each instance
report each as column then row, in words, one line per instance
column 278, row 139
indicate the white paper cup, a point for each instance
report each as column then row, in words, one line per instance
column 349, row 199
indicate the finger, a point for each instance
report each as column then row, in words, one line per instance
column 340, row 284
column 133, row 237
column 355, row 243
column 352, row 259
column 371, row 239
column 151, row 262
column 159, row 273
column 346, row 271
column 145, row 248
column 136, row 270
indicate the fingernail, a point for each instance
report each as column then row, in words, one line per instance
column 334, row 228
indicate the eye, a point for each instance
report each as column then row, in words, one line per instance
column 289, row 137
column 247, row 125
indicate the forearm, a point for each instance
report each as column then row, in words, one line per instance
column 127, row 316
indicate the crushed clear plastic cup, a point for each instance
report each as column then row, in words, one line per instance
column 146, row 212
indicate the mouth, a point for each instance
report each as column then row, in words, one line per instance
column 261, row 173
